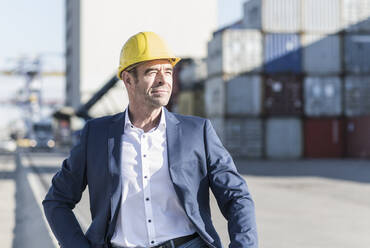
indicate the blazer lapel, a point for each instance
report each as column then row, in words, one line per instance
column 173, row 133
column 115, row 132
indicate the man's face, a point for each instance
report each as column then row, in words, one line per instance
column 153, row 85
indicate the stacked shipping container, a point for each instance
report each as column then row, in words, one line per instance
column 295, row 71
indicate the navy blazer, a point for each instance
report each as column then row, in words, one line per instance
column 197, row 161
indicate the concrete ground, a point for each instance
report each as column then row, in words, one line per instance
column 304, row 203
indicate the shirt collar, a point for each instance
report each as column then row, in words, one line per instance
column 161, row 125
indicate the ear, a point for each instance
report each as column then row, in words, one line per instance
column 126, row 77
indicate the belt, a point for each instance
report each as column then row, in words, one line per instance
column 177, row 241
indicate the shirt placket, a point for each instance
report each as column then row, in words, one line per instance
column 146, row 187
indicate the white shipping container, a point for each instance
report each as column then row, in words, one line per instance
column 194, row 72
column 321, row 54
column 244, row 137
column 357, row 95
column 235, row 51
column 244, row 95
column 215, row 97
column 322, row 96
column 284, row 138
column 322, row 16
column 218, row 124
column 356, row 15
column 281, row 16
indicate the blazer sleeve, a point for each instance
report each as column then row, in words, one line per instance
column 231, row 192
column 65, row 192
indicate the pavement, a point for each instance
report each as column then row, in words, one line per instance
column 299, row 203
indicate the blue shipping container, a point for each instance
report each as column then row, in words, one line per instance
column 357, row 51
column 282, row 53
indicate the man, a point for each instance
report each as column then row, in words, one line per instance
column 149, row 171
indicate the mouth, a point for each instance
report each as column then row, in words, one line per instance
column 159, row 91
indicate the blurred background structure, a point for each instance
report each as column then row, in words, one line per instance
column 290, row 79
column 295, row 71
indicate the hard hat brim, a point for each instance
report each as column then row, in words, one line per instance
column 173, row 62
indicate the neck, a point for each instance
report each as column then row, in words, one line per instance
column 144, row 118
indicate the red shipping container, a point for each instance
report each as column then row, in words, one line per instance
column 324, row 138
column 358, row 137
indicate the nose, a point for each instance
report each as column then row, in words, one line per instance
column 160, row 77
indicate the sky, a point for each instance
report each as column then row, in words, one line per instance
column 30, row 28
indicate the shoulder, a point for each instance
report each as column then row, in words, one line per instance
column 189, row 119
column 105, row 120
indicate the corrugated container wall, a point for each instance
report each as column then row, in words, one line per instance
column 357, row 95
column 357, row 52
column 283, row 95
column 321, row 16
column 185, row 103
column 244, row 95
column 323, row 138
column 282, row 53
column 273, row 16
column 358, row 137
column 284, row 138
column 215, row 97
column 244, row 137
column 322, row 96
column 235, row 51
column 281, row 16
column 193, row 72
column 356, row 15
column 321, row 54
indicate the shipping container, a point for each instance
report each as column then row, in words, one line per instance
column 356, row 15
column 235, row 51
column 322, row 96
column 357, row 51
column 218, row 124
column 324, row 138
column 244, row 137
column 357, row 95
column 215, row 97
column 281, row 16
column 193, row 72
column 282, row 53
column 185, row 103
column 284, row 138
column 283, row 95
column 358, row 137
column 321, row 16
column 191, row 102
column 273, row 16
column 244, row 95
column 321, row 54
column 252, row 14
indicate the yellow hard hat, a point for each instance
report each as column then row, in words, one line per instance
column 144, row 46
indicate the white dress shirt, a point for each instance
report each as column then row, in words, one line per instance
column 150, row 211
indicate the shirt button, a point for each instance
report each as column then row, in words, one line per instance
column 144, row 155
column 145, row 177
column 147, row 199
column 152, row 242
column 149, row 221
